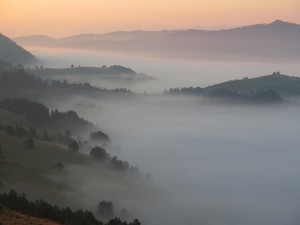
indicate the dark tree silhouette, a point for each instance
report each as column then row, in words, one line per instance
column 20, row 131
column 73, row 146
column 10, row 130
column 31, row 132
column 106, row 209
column 45, row 136
column 29, row 143
column 119, row 164
column 59, row 165
column 42, row 209
column 99, row 153
column 99, row 136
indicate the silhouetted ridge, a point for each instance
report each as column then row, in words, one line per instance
column 13, row 53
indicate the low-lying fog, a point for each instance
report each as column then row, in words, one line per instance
column 170, row 73
column 214, row 163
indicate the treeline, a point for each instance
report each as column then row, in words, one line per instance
column 40, row 114
column 186, row 90
column 18, row 83
column 111, row 70
column 42, row 209
column 259, row 95
column 113, row 162
column 31, row 134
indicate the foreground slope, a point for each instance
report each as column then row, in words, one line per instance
column 9, row 217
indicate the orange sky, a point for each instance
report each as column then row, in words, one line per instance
column 65, row 17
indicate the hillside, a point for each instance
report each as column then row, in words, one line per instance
column 263, row 89
column 112, row 70
column 13, row 53
column 275, row 41
column 50, row 163
column 282, row 84
column 21, row 84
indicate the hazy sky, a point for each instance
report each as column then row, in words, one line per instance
column 65, row 17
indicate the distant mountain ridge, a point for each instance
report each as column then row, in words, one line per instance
column 12, row 53
column 278, row 41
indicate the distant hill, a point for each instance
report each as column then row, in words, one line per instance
column 282, row 84
column 276, row 41
column 269, row 88
column 13, row 53
column 112, row 70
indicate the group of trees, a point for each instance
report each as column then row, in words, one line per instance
column 42, row 209
column 40, row 114
column 20, row 84
column 30, row 134
column 106, row 210
column 103, row 156
column 186, row 90
column 259, row 95
column 19, row 131
column 99, row 136
column 29, row 109
column 111, row 70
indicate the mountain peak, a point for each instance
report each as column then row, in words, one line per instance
column 282, row 23
column 279, row 22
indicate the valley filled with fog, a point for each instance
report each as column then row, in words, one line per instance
column 212, row 163
column 169, row 73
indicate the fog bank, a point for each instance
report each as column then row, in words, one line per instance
column 214, row 164
column 169, row 73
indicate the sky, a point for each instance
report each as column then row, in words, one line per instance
column 59, row 18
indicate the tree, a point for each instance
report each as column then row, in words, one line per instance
column 31, row 132
column 29, row 143
column 10, row 130
column 68, row 133
column 99, row 136
column 119, row 164
column 135, row 222
column 59, row 165
column 45, row 136
column 73, row 146
column 20, row 131
column 99, row 153
column 106, row 209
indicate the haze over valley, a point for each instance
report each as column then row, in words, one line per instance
column 174, row 126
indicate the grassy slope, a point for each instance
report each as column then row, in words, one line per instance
column 7, row 117
column 9, row 217
column 284, row 85
column 34, row 171
column 26, row 166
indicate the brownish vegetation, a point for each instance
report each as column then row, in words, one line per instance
column 9, row 217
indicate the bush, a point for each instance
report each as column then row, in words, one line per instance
column 29, row 143
column 99, row 136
